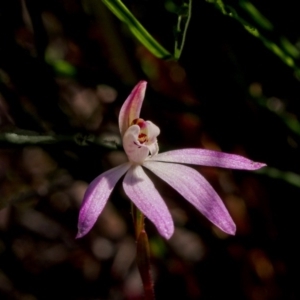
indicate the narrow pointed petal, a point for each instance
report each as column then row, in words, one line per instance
column 204, row 157
column 96, row 197
column 194, row 188
column 131, row 108
column 142, row 192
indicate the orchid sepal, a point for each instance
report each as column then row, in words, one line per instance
column 210, row 158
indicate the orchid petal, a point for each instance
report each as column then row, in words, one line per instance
column 153, row 132
column 209, row 158
column 96, row 197
column 142, row 192
column 153, row 148
column 136, row 152
column 194, row 188
column 131, row 108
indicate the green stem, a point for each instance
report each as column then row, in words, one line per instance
column 181, row 28
column 25, row 137
column 143, row 252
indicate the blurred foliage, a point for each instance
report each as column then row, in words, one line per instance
column 291, row 178
column 121, row 11
column 286, row 52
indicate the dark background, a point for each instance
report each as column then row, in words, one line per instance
column 66, row 67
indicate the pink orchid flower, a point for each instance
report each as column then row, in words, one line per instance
column 140, row 145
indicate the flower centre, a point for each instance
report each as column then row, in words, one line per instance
column 143, row 135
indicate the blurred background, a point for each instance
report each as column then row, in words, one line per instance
column 66, row 67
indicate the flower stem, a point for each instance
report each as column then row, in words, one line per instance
column 143, row 252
